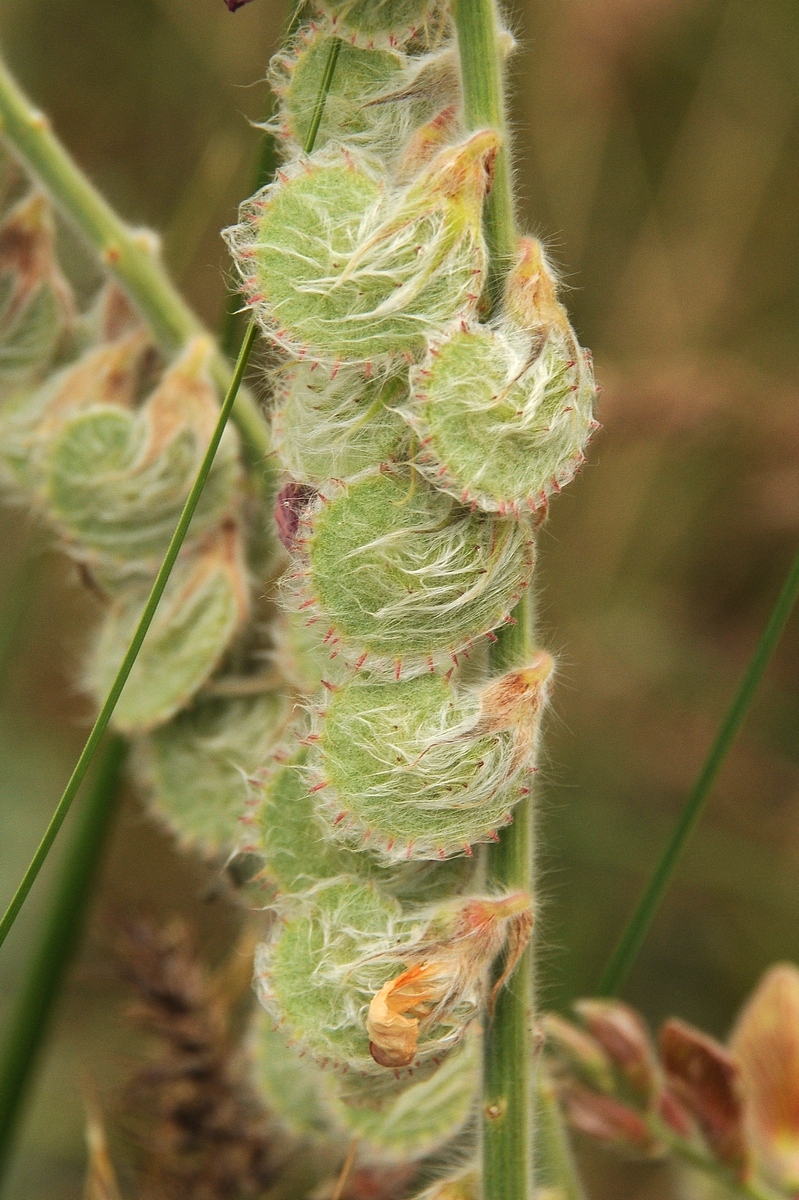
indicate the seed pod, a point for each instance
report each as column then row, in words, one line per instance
column 194, row 770
column 361, row 75
column 203, row 606
column 36, row 305
column 116, row 481
column 423, row 1115
column 289, row 831
column 337, row 268
column 334, row 426
column 103, row 375
column 319, row 975
column 409, row 1122
column 503, row 414
column 422, row 769
column 403, row 576
column 447, row 972
column 349, row 949
column 383, row 20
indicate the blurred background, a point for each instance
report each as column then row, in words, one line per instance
column 657, row 155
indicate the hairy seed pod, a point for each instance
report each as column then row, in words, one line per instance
column 116, row 480
column 356, row 984
column 339, row 268
column 424, row 1115
column 36, row 304
column 503, row 414
column 446, row 969
column 423, row 769
column 195, row 769
column 318, row 976
column 389, row 21
column 403, row 576
column 410, row 1122
column 203, row 607
column 108, row 374
column 361, row 75
column 334, row 426
column 288, row 830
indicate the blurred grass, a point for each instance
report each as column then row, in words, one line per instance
column 657, row 147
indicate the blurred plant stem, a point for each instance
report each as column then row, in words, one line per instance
column 508, row 1107
column 106, row 712
column 554, row 1158
column 639, row 924
column 55, row 943
column 130, row 255
column 741, row 1189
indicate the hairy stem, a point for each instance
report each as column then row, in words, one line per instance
column 130, row 255
column 106, row 712
column 56, row 941
column 639, row 924
column 508, row 1105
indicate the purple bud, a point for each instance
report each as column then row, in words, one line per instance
column 291, row 500
column 234, row 4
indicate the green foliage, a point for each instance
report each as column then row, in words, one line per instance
column 387, row 19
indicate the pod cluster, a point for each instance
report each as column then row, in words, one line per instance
column 419, row 445
column 102, row 439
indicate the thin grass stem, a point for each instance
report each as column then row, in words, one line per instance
column 633, row 937
column 56, row 941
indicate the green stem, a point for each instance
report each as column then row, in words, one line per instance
column 634, row 935
column 554, row 1159
column 477, row 24
column 131, row 255
column 107, row 710
column 56, row 942
column 508, row 1051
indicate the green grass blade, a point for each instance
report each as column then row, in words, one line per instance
column 56, row 942
column 639, row 924
column 107, row 710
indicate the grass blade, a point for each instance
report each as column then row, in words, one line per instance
column 56, row 942
column 639, row 924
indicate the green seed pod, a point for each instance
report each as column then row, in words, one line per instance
column 423, row 769
column 116, row 480
column 503, row 414
column 104, row 375
column 36, row 305
column 335, row 425
column 402, row 576
column 293, row 1086
column 329, row 959
column 356, row 984
column 389, row 21
column 287, row 829
column 337, row 268
column 361, row 75
column 195, row 769
column 423, row 1115
column 203, row 607
column 411, row 1121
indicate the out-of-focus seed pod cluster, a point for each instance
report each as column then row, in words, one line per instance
column 730, row 1107
column 418, row 446
column 103, row 439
